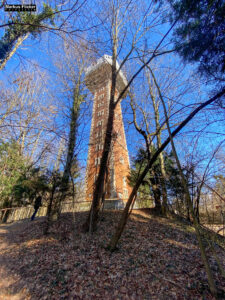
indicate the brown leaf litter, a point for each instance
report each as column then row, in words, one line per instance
column 157, row 259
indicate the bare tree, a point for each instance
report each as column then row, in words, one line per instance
column 148, row 138
column 71, row 65
column 159, row 144
column 28, row 113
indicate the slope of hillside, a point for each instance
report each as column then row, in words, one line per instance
column 157, row 259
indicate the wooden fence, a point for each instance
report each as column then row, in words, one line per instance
column 8, row 215
column 216, row 222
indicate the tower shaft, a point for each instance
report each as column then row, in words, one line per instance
column 116, row 186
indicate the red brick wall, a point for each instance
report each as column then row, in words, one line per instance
column 119, row 156
column 121, row 159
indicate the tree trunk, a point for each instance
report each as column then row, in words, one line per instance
column 197, row 203
column 118, row 232
column 159, row 144
column 70, row 152
column 49, row 209
column 20, row 40
column 188, row 212
column 156, row 192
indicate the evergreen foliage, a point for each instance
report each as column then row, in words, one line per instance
column 20, row 183
column 200, row 36
column 140, row 162
column 29, row 184
column 153, row 177
column 12, row 165
column 175, row 190
column 23, row 23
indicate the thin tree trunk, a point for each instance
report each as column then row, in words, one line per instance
column 156, row 192
column 20, row 40
column 159, row 144
column 163, row 181
column 49, row 208
column 55, row 178
column 70, row 152
column 188, row 211
column 197, row 202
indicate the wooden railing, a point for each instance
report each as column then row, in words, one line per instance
column 8, row 215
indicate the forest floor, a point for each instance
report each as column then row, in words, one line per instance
column 157, row 258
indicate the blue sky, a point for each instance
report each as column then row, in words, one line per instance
column 39, row 52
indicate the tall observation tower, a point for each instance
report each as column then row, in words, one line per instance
column 98, row 81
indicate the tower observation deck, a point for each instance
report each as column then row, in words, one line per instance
column 98, row 81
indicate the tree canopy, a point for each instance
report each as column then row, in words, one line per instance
column 23, row 23
column 199, row 36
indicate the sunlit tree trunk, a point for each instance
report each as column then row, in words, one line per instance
column 20, row 40
column 156, row 191
column 159, row 144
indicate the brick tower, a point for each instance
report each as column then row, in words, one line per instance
column 98, row 81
